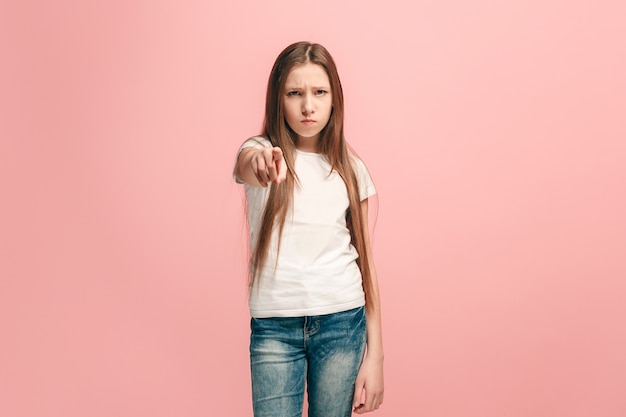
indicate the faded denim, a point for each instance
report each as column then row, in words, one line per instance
column 323, row 353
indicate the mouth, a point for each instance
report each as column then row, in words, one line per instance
column 308, row 122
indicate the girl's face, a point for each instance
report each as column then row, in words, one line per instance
column 307, row 103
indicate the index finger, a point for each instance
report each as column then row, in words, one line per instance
column 281, row 167
column 273, row 164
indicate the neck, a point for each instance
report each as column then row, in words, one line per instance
column 308, row 144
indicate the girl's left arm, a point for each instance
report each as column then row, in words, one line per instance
column 369, row 386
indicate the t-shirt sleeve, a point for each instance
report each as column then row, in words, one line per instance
column 254, row 142
column 366, row 185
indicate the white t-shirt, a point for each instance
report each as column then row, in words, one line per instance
column 316, row 272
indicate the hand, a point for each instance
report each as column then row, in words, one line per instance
column 369, row 387
column 268, row 165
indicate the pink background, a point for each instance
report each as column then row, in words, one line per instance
column 495, row 132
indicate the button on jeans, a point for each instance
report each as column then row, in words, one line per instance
column 323, row 353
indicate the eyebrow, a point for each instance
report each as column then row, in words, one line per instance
column 312, row 88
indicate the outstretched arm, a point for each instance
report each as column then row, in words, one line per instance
column 260, row 166
column 369, row 386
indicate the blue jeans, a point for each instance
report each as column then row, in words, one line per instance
column 322, row 352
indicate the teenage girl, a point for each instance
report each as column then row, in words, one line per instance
column 314, row 297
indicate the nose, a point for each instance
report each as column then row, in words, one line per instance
column 307, row 104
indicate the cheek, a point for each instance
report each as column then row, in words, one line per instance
column 329, row 106
column 291, row 117
column 291, row 107
column 329, row 111
column 290, row 113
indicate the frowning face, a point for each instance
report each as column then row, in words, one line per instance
column 307, row 103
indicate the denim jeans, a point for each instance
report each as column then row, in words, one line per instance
column 322, row 352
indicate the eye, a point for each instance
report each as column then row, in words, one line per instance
column 321, row 92
column 292, row 93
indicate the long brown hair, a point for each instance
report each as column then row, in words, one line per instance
column 332, row 145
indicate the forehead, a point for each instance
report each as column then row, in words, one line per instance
column 308, row 74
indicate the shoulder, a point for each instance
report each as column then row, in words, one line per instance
column 256, row 142
column 358, row 164
column 363, row 177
